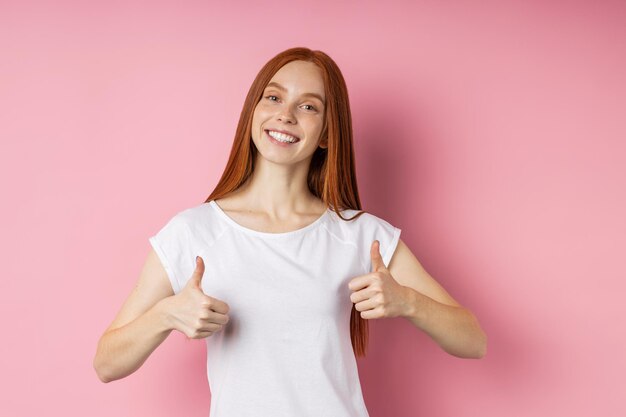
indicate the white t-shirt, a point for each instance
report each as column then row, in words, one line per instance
column 286, row 350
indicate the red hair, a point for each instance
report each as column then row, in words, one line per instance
column 331, row 176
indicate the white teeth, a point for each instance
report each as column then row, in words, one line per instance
column 281, row 137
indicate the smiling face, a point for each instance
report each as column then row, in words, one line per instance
column 292, row 103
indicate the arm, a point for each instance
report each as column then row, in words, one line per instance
column 454, row 328
column 429, row 307
column 139, row 328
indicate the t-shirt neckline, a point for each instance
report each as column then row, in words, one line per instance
column 233, row 223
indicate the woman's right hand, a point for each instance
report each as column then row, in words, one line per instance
column 194, row 313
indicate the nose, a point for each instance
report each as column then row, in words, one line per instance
column 286, row 116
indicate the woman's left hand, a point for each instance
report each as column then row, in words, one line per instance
column 377, row 294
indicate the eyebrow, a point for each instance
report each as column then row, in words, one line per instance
column 280, row 87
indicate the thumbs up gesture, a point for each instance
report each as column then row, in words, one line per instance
column 377, row 294
column 194, row 313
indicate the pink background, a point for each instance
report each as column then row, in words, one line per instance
column 492, row 134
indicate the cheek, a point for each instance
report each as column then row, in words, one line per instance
column 260, row 115
column 257, row 118
column 314, row 126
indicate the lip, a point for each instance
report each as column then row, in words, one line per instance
column 283, row 131
column 278, row 143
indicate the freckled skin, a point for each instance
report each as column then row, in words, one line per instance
column 290, row 111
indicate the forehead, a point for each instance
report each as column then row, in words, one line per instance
column 300, row 77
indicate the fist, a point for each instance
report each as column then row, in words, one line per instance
column 377, row 294
column 194, row 313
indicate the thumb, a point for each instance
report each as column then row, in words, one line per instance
column 198, row 272
column 377, row 259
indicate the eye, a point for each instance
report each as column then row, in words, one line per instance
column 268, row 97
column 312, row 108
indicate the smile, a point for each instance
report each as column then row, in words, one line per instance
column 281, row 137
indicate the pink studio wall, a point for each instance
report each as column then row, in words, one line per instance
column 492, row 134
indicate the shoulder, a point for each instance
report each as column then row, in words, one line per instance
column 363, row 230
column 196, row 222
column 360, row 223
column 187, row 217
column 345, row 226
column 193, row 214
column 358, row 218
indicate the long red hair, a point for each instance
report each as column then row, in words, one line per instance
column 331, row 176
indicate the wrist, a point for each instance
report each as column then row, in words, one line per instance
column 408, row 310
column 163, row 315
column 412, row 305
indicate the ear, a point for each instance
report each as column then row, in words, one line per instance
column 323, row 143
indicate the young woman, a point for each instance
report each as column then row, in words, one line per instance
column 280, row 269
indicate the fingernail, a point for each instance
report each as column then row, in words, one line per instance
column 197, row 259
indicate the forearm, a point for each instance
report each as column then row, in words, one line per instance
column 123, row 350
column 455, row 329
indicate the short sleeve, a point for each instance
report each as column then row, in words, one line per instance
column 172, row 245
column 387, row 234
